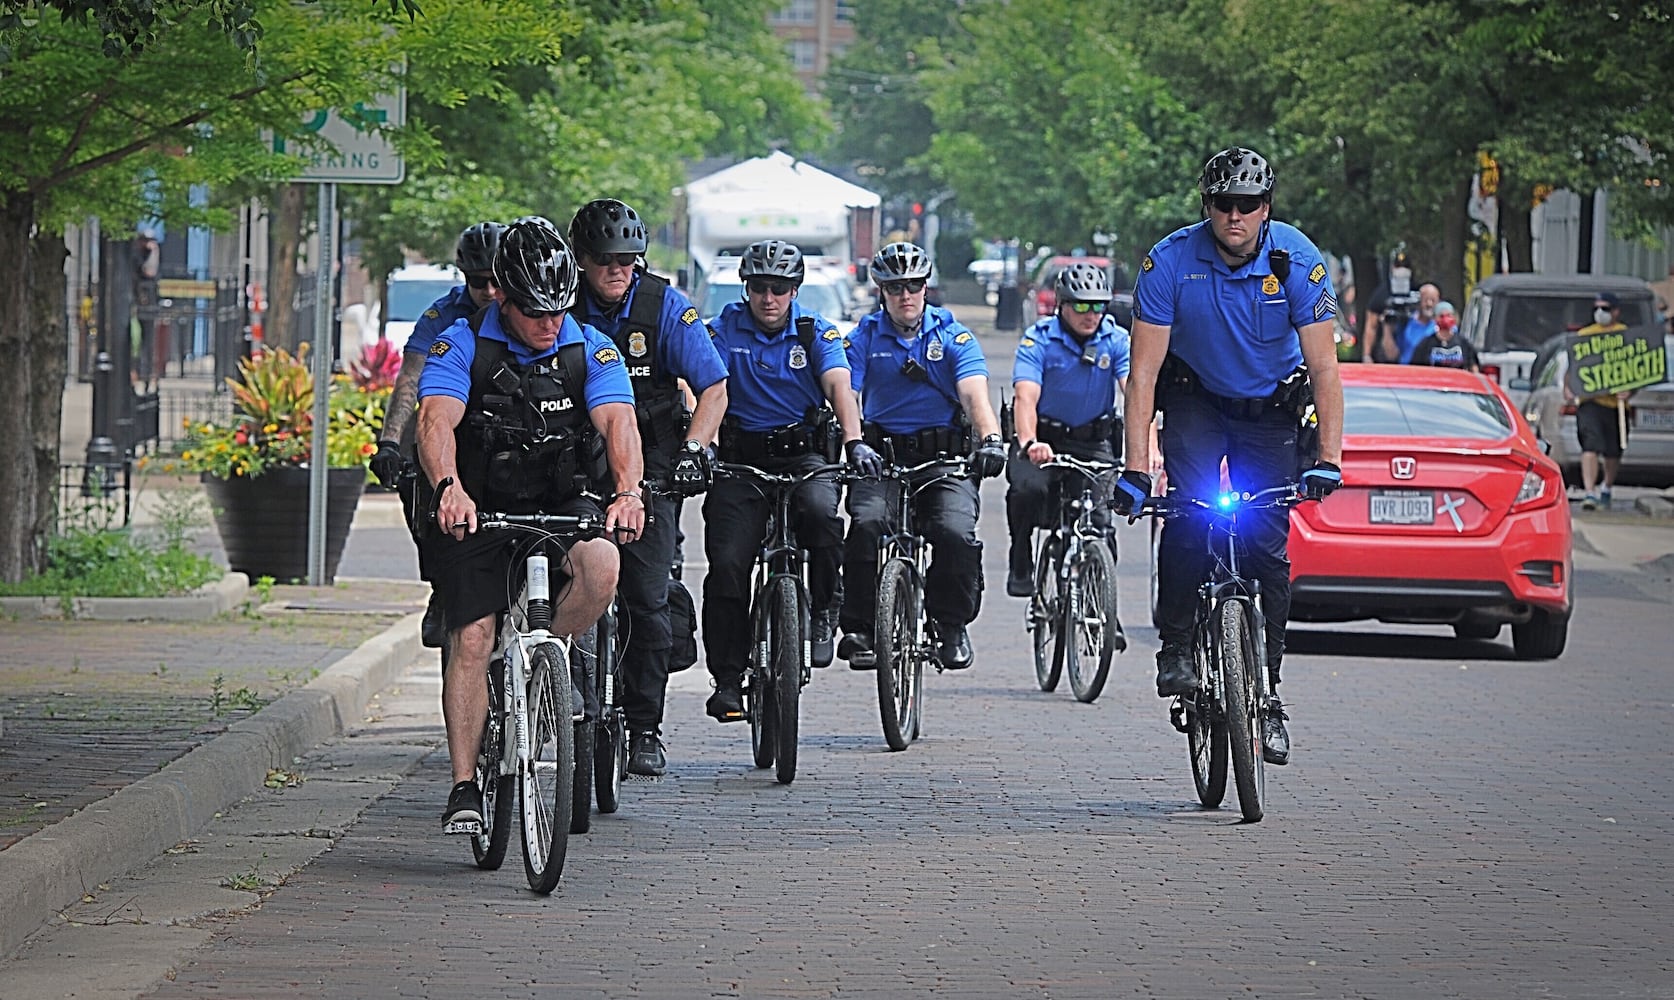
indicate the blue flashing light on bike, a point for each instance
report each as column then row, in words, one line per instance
column 1227, row 501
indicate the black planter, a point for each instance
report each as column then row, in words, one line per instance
column 263, row 521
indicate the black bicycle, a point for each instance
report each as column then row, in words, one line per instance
column 903, row 644
column 601, row 739
column 1073, row 612
column 1229, row 651
column 780, row 625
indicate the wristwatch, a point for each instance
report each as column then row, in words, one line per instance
column 691, row 447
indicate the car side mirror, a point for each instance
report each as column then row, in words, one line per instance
column 1521, row 384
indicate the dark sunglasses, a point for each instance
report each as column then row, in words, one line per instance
column 912, row 286
column 478, row 281
column 539, row 313
column 1083, row 308
column 762, row 286
column 1245, row 204
column 607, row 259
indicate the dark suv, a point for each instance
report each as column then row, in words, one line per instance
column 1509, row 316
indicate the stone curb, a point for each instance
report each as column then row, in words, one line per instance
column 209, row 601
column 1659, row 507
column 45, row 872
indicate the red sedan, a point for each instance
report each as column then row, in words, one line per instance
column 1450, row 513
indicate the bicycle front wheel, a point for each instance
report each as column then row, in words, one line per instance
column 499, row 792
column 547, row 781
column 900, row 668
column 1238, row 698
column 1090, row 621
column 610, row 746
column 759, row 704
column 1206, row 737
column 1046, row 617
column 583, row 666
column 788, row 627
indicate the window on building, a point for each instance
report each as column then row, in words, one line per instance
column 798, row 12
column 804, row 53
column 845, row 11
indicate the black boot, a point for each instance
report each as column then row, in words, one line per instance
column 1020, row 574
column 1175, row 674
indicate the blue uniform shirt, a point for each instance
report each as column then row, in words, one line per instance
column 684, row 349
column 1411, row 334
column 443, row 313
column 1077, row 380
column 772, row 382
column 945, row 348
column 447, row 369
column 1237, row 331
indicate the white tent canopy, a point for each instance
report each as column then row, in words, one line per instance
column 787, row 180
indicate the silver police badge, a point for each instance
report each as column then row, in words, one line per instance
column 798, row 357
column 1104, row 361
column 934, row 350
column 636, row 344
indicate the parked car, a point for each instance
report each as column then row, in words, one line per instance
column 1046, row 295
column 1508, row 316
column 1649, row 458
column 410, row 290
column 1450, row 513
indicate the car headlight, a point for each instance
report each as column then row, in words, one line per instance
column 1534, row 487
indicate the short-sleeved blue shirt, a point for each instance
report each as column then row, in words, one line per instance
column 1077, row 379
column 945, row 348
column 1236, row 330
column 771, row 380
column 447, row 369
column 1412, row 334
column 443, row 313
column 684, row 349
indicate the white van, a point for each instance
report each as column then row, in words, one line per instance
column 409, row 292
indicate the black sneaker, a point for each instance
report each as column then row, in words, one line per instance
column 856, row 647
column 1020, row 571
column 1175, row 674
column 1275, row 739
column 464, row 812
column 726, row 704
column 1020, row 586
column 825, row 624
column 953, row 645
column 645, row 755
column 433, row 632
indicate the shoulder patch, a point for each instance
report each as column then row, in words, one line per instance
column 1317, row 274
column 847, row 344
column 1147, row 263
column 832, row 334
column 689, row 316
column 431, row 313
column 963, row 338
column 1028, row 342
column 440, row 348
column 607, row 356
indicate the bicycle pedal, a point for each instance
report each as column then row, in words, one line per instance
column 467, row 826
column 1177, row 715
column 631, row 776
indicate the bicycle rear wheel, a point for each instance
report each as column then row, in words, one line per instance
column 900, row 668
column 1046, row 616
column 547, row 781
column 758, row 692
column 499, row 791
column 610, row 738
column 1206, row 738
column 1238, row 698
column 1090, row 621
column 583, row 665
column 789, row 627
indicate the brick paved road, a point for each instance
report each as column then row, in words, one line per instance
column 1457, row 823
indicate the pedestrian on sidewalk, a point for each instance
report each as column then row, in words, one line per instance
column 1599, row 423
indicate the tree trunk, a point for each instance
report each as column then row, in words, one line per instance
column 49, row 343
column 1516, row 232
column 281, row 268
column 19, row 519
column 1456, row 227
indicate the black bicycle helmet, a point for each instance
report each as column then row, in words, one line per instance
column 772, row 259
column 1236, row 171
column 900, row 262
column 534, row 267
column 1082, row 282
column 474, row 253
column 607, row 226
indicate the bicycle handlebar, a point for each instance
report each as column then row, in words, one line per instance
column 1224, row 505
column 740, row 470
column 562, row 524
column 1091, row 468
column 953, row 468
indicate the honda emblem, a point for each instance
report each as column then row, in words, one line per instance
column 1402, row 467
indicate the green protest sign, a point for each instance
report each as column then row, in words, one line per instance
column 1601, row 363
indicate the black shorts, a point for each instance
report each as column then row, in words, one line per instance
column 475, row 575
column 1597, row 430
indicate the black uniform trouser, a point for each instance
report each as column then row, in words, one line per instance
column 642, row 589
column 1260, row 453
column 945, row 513
column 734, row 523
column 1032, row 493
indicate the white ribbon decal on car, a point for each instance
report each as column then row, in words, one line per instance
column 1450, row 506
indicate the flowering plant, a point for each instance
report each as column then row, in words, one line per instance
column 273, row 421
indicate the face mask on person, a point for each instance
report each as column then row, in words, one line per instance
column 1601, row 317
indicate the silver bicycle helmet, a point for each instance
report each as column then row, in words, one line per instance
column 772, row 259
column 534, row 267
column 1082, row 282
column 1236, row 171
column 900, row 262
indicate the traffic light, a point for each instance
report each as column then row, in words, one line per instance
column 918, row 210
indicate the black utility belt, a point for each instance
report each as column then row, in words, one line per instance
column 1240, row 409
column 1091, row 432
column 750, row 447
column 931, row 441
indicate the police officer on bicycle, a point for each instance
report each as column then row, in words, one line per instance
column 660, row 337
column 1232, row 341
column 517, row 406
column 923, row 384
column 1068, row 376
column 474, row 256
column 785, row 366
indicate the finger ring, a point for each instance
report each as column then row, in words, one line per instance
column 462, row 524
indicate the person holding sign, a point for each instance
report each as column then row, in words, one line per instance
column 1600, row 420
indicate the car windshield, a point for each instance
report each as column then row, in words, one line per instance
column 409, row 299
column 823, row 299
column 1420, row 412
column 1529, row 320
